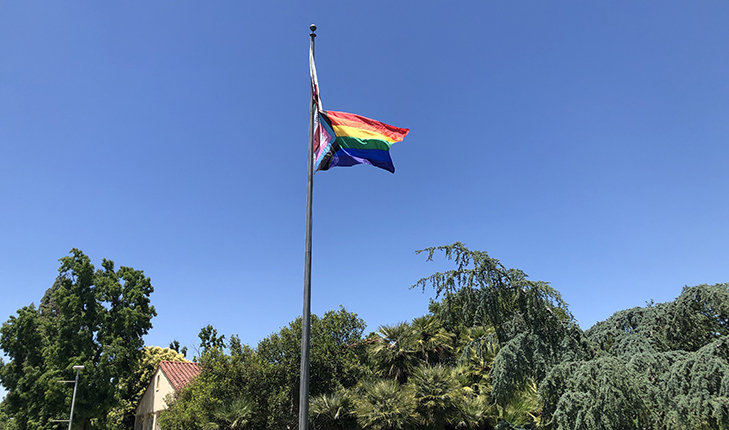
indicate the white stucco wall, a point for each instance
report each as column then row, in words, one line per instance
column 152, row 402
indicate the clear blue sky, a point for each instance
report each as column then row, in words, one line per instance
column 582, row 142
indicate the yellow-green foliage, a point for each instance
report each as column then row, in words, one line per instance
column 151, row 357
column 138, row 381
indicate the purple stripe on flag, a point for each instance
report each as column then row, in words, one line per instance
column 374, row 157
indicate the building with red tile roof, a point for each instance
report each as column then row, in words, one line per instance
column 169, row 378
column 179, row 373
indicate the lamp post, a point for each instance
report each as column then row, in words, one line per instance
column 73, row 398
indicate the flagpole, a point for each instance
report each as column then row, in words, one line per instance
column 306, row 314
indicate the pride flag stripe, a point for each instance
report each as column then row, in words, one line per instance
column 345, row 139
column 373, row 157
column 353, row 142
column 395, row 134
column 346, row 130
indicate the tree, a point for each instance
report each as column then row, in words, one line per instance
column 476, row 413
column 269, row 375
column 383, row 405
column 476, row 351
column 438, row 396
column 395, row 354
column 333, row 411
column 531, row 322
column 123, row 415
column 23, row 376
column 223, row 378
column 663, row 366
column 433, row 343
column 175, row 346
column 89, row 317
column 6, row 423
column 233, row 414
column 209, row 339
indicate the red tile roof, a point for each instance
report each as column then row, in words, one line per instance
column 179, row 373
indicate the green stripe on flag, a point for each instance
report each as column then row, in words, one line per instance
column 353, row 142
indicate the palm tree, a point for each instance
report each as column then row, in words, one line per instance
column 395, row 355
column 477, row 413
column 438, row 396
column 333, row 411
column 480, row 341
column 234, row 415
column 432, row 341
column 476, row 350
column 383, row 405
column 521, row 408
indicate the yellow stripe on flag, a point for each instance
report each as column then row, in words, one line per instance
column 343, row 130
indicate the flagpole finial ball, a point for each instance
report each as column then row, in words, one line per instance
column 312, row 27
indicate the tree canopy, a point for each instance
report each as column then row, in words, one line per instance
column 135, row 384
column 496, row 350
column 89, row 317
column 533, row 327
column 662, row 366
column 268, row 376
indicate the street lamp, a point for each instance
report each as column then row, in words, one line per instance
column 73, row 399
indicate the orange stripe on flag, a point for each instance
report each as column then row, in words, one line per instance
column 394, row 134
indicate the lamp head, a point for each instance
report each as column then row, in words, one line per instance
column 77, row 367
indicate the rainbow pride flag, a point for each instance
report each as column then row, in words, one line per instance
column 345, row 139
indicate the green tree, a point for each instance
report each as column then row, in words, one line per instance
column 476, row 351
column 23, row 376
column 209, row 339
column 383, row 405
column 89, row 317
column 433, row 343
column 395, row 354
column 6, row 422
column 438, row 396
column 336, row 361
column 531, row 322
column 497, row 351
column 175, row 346
column 476, row 413
column 269, row 375
column 663, row 366
column 333, row 411
column 123, row 415
column 223, row 377
column 233, row 414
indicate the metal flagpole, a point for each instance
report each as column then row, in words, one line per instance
column 306, row 314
